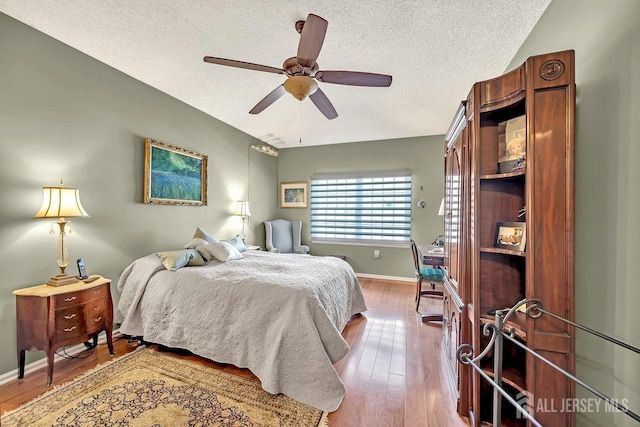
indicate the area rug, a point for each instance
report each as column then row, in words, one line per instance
column 150, row 388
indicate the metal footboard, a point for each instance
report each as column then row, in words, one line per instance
column 497, row 333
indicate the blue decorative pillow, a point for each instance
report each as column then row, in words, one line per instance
column 173, row 260
column 237, row 243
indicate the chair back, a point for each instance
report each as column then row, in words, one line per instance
column 279, row 235
column 416, row 257
column 284, row 236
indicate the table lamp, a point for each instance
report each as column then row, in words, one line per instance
column 242, row 210
column 61, row 202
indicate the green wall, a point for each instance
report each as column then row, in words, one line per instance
column 606, row 38
column 66, row 115
column 424, row 156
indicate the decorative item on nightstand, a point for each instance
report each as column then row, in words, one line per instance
column 61, row 202
column 242, row 210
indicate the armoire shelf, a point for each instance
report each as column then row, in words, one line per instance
column 518, row 321
column 520, row 173
column 503, row 251
column 511, row 376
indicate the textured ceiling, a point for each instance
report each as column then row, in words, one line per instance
column 434, row 49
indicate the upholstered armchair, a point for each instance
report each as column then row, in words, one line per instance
column 284, row 236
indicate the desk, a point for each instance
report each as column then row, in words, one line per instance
column 434, row 259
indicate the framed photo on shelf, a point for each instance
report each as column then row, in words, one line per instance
column 293, row 194
column 510, row 235
column 512, row 145
column 174, row 176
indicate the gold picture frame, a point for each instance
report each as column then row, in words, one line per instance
column 173, row 175
column 294, row 194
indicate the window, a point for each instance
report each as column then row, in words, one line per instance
column 361, row 208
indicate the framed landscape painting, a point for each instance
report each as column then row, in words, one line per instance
column 174, row 176
column 293, row 194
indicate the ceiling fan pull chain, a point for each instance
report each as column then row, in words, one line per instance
column 300, row 122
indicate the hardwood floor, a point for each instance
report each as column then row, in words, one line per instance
column 392, row 372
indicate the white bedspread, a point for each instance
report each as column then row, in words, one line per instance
column 280, row 315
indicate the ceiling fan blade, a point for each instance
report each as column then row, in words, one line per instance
column 354, row 78
column 311, row 40
column 241, row 64
column 268, row 100
column 324, row 105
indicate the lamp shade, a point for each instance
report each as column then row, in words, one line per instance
column 441, row 210
column 60, row 202
column 242, row 209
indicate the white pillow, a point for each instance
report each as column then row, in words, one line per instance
column 223, row 251
column 199, row 245
column 201, row 234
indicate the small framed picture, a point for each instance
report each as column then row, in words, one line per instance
column 512, row 145
column 293, row 194
column 510, row 235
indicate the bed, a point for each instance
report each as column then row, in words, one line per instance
column 279, row 315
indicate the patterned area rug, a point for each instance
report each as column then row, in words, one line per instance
column 149, row 388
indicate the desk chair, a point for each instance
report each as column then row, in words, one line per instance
column 429, row 275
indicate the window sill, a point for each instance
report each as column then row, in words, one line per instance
column 370, row 244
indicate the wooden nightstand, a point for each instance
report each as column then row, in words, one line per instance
column 50, row 317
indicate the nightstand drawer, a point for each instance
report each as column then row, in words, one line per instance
column 70, row 316
column 80, row 297
column 95, row 314
column 70, row 331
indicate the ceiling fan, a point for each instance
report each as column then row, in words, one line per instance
column 301, row 70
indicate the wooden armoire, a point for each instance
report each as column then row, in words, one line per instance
column 509, row 234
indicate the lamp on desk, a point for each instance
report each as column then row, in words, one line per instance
column 242, row 210
column 439, row 242
column 61, row 202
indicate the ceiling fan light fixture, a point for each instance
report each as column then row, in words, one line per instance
column 300, row 86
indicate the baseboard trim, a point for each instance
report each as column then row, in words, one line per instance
column 42, row 363
column 394, row 278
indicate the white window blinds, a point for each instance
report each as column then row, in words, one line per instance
column 361, row 207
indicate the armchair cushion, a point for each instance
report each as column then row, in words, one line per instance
column 301, row 249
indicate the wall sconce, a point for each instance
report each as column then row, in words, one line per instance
column 242, row 210
column 61, row 202
column 441, row 210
